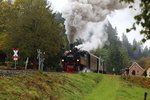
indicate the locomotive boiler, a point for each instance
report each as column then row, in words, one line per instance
column 75, row 60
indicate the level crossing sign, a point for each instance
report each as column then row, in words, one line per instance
column 15, row 56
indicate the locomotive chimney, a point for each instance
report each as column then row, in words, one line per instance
column 71, row 46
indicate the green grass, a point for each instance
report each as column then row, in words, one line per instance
column 43, row 86
column 114, row 88
column 83, row 86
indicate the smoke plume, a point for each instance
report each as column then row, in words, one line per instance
column 86, row 18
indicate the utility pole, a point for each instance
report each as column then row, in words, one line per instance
column 41, row 59
column 102, row 66
column 99, row 64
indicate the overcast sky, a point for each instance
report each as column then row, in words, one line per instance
column 120, row 19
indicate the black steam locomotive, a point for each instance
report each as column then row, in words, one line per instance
column 75, row 60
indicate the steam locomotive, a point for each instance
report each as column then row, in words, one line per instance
column 75, row 60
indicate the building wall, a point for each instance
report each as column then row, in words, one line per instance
column 148, row 72
column 137, row 69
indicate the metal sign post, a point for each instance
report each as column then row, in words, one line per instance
column 15, row 57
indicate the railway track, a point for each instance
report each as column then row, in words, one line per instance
column 12, row 72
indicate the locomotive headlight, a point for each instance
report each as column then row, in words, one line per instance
column 62, row 60
column 78, row 60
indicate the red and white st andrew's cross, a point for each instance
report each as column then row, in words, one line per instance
column 15, row 56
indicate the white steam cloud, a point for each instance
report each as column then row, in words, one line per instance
column 85, row 19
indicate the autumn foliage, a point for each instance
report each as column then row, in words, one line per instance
column 144, row 62
column 142, row 81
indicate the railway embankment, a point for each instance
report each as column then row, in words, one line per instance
column 47, row 86
column 63, row 86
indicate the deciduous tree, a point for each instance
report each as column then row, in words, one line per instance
column 33, row 26
column 142, row 19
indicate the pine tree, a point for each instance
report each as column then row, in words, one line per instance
column 127, row 45
column 146, row 52
column 137, row 54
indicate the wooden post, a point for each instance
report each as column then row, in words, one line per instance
column 145, row 95
column 39, row 63
column 15, row 64
column 26, row 63
column 113, row 71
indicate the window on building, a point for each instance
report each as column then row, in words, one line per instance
column 138, row 72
